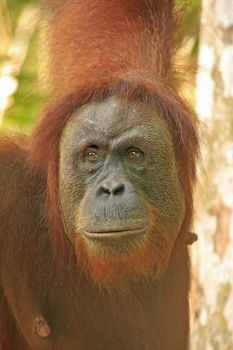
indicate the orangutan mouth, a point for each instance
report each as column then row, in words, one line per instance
column 118, row 233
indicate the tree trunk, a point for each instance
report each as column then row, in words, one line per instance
column 213, row 255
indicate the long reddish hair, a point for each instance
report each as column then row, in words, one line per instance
column 101, row 48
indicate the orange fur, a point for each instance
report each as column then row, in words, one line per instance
column 100, row 48
column 91, row 40
column 96, row 48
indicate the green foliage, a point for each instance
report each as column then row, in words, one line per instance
column 29, row 99
column 190, row 23
column 15, row 7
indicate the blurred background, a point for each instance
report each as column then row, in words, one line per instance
column 205, row 41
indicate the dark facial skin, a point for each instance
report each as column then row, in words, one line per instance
column 116, row 162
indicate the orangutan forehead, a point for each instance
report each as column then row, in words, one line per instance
column 114, row 116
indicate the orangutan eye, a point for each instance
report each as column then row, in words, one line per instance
column 134, row 154
column 92, row 156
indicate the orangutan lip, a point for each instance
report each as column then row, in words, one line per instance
column 114, row 234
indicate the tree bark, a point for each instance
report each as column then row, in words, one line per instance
column 213, row 255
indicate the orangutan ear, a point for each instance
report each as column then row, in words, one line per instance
column 191, row 238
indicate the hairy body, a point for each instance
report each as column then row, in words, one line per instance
column 96, row 204
column 115, row 294
column 146, row 315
